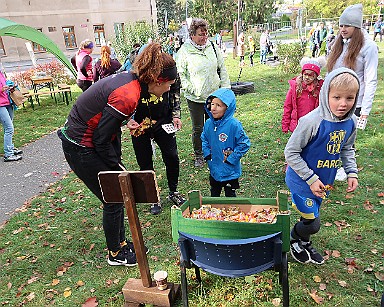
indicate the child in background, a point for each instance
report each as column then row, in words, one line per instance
column 224, row 142
column 313, row 152
column 303, row 94
column 252, row 48
column 241, row 48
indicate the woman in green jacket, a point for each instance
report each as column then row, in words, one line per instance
column 202, row 71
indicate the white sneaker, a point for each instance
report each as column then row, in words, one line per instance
column 341, row 175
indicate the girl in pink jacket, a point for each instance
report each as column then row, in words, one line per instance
column 303, row 94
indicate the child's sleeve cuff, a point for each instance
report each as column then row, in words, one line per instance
column 312, row 179
column 352, row 175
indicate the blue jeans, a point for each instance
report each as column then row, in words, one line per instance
column 263, row 54
column 6, row 118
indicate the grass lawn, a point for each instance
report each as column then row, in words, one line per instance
column 53, row 251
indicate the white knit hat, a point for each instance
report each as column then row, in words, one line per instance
column 352, row 16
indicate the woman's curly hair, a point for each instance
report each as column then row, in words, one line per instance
column 150, row 63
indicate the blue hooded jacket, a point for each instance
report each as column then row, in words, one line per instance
column 224, row 134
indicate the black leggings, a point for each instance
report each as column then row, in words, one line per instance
column 305, row 228
column 86, row 164
column 168, row 148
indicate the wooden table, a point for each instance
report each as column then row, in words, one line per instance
column 39, row 82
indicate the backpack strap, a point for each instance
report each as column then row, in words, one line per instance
column 217, row 60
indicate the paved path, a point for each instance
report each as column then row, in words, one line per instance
column 43, row 163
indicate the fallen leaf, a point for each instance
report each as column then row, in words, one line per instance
column 335, row 254
column 30, row 296
column 379, row 276
column 55, row 282
column 276, row 301
column 322, row 287
column 342, row 283
column 80, row 283
column 317, row 278
column 91, row 302
column 315, row 297
column 9, row 285
column 67, row 292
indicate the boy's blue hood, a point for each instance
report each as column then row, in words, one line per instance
column 227, row 96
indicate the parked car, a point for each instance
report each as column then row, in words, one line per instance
column 285, row 28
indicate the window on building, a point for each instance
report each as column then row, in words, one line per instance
column 99, row 34
column 37, row 47
column 2, row 49
column 69, row 37
column 51, row 29
column 119, row 29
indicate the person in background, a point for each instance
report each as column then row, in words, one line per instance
column 303, row 94
column 82, row 62
column 202, row 71
column 224, row 143
column 130, row 59
column 264, row 43
column 11, row 153
column 377, row 29
column 322, row 39
column 313, row 152
column 354, row 49
column 113, row 51
column 105, row 66
column 91, row 136
column 241, row 47
column 252, row 49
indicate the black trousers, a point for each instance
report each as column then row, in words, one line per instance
column 229, row 186
column 83, row 84
column 168, row 147
column 86, row 164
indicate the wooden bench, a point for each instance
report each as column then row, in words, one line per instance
column 53, row 93
column 27, row 95
column 63, row 86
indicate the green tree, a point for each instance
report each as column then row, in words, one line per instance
column 222, row 14
column 329, row 8
column 137, row 32
column 165, row 13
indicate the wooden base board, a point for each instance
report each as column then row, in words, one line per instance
column 135, row 294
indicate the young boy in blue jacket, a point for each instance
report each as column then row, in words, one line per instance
column 224, row 142
column 323, row 139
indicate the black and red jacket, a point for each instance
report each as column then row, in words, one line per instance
column 96, row 118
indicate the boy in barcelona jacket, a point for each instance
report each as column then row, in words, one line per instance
column 224, row 142
column 322, row 140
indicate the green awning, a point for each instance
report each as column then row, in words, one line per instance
column 10, row 28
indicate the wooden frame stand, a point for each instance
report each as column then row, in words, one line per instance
column 132, row 188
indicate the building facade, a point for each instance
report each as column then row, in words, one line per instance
column 68, row 22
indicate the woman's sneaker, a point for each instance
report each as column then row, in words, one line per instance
column 155, row 209
column 314, row 255
column 176, row 198
column 298, row 252
column 12, row 158
column 127, row 258
column 17, row 151
column 129, row 247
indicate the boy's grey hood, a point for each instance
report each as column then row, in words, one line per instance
column 325, row 111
